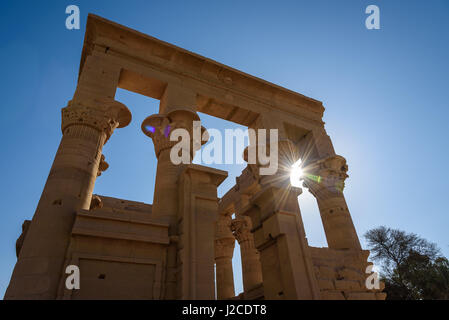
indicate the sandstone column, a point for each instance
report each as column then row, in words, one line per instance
column 251, row 268
column 279, row 233
column 159, row 127
column 177, row 111
column 224, row 251
column 86, row 127
column 165, row 200
column 326, row 180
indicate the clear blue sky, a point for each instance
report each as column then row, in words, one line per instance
column 386, row 95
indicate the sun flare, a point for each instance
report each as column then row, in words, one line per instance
column 296, row 174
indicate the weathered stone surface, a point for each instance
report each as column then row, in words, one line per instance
column 332, row 295
column 326, row 284
column 360, row 296
column 347, row 285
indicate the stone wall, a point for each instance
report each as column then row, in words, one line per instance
column 120, row 250
column 341, row 274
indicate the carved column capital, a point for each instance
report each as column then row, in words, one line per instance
column 105, row 115
column 241, row 228
column 326, row 177
column 224, row 248
column 223, row 227
column 224, row 239
column 248, row 182
column 159, row 127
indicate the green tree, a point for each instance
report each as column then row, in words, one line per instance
column 412, row 268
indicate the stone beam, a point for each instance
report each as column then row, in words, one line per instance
column 222, row 91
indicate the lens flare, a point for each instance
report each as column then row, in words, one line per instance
column 167, row 131
column 296, row 174
column 150, row 129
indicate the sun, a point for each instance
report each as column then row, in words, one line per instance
column 296, row 174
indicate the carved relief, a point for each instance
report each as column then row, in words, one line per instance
column 96, row 203
column 103, row 166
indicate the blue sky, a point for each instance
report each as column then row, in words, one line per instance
column 386, row 95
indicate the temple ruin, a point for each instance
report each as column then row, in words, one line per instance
column 181, row 246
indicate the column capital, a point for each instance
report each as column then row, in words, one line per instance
column 224, row 239
column 326, row 176
column 241, row 228
column 224, row 248
column 103, row 114
column 223, row 227
column 248, row 182
column 159, row 127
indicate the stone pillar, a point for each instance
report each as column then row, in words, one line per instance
column 251, row 268
column 165, row 201
column 224, row 251
column 177, row 111
column 326, row 180
column 158, row 127
column 86, row 127
column 197, row 216
column 279, row 234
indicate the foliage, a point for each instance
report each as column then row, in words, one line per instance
column 412, row 267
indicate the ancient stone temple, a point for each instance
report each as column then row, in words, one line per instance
column 181, row 246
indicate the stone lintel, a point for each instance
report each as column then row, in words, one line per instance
column 104, row 37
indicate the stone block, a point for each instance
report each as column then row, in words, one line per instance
column 327, row 273
column 350, row 274
column 381, row 295
column 347, row 285
column 326, row 284
column 360, row 295
column 332, row 295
